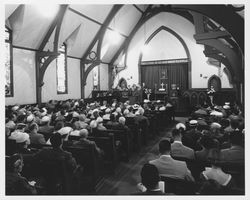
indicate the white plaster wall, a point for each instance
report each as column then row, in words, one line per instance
column 89, row 85
column 165, row 46
column 104, row 77
column 49, row 90
column 183, row 28
column 23, row 78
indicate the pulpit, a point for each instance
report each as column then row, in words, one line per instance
column 160, row 95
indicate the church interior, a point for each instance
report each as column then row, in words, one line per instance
column 124, row 99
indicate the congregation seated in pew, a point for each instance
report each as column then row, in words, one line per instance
column 127, row 133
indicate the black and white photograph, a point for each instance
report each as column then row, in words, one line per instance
column 124, row 99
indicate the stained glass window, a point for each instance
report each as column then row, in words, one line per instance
column 8, row 64
column 62, row 70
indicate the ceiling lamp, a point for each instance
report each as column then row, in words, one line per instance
column 114, row 37
column 47, row 11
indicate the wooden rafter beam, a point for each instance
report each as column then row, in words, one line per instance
column 111, row 14
column 230, row 20
column 54, row 23
column 95, row 21
column 98, row 38
column 48, row 56
column 211, row 35
column 132, row 33
column 233, row 58
column 137, row 8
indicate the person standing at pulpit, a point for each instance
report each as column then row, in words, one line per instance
column 135, row 98
column 143, row 89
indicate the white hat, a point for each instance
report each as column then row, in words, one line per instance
column 135, row 106
column 45, row 119
column 169, row 105
column 118, row 110
column 82, row 117
column 99, row 120
column 95, row 110
column 141, row 111
column 103, row 107
column 180, row 125
column 216, row 113
column 65, row 130
column 158, row 101
column 30, row 118
column 106, row 116
column 10, row 125
column 93, row 124
column 19, row 137
column 193, row 122
column 75, row 133
column 163, row 108
column 83, row 133
column 78, row 125
column 126, row 111
column 215, row 125
column 226, row 107
column 75, row 114
column 146, row 101
column 15, row 108
column 107, row 110
column 122, row 120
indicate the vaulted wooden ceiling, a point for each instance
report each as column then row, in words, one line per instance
column 86, row 30
column 87, row 20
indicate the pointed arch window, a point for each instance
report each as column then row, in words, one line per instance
column 61, row 70
column 8, row 63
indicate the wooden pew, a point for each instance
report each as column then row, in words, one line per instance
column 106, row 142
column 136, row 133
column 178, row 186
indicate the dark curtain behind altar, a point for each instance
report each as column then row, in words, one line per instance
column 171, row 73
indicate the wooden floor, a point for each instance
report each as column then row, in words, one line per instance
column 127, row 174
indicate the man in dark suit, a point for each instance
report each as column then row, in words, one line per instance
column 45, row 128
column 236, row 152
column 150, row 179
column 169, row 167
column 190, row 138
column 178, row 149
column 56, row 153
column 84, row 142
column 36, row 138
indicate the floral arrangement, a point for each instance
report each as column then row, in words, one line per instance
column 147, row 91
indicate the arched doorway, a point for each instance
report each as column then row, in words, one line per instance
column 168, row 74
column 215, row 82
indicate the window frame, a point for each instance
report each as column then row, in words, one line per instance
column 65, row 69
column 11, row 94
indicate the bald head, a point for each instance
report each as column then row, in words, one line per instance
column 83, row 133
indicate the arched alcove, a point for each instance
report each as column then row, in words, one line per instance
column 215, row 82
column 182, row 45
